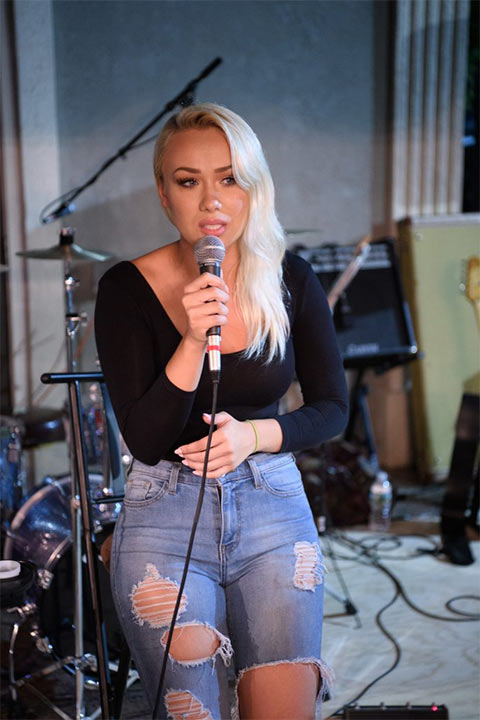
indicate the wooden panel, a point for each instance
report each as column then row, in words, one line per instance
column 433, row 258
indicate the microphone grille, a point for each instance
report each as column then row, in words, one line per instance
column 209, row 250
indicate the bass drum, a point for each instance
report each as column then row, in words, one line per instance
column 41, row 533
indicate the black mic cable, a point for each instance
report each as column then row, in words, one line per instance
column 209, row 253
column 196, row 518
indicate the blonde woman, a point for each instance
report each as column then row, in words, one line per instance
column 253, row 596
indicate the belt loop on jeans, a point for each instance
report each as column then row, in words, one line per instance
column 172, row 481
column 257, row 477
column 129, row 469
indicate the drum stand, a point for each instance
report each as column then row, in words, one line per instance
column 80, row 510
column 68, row 251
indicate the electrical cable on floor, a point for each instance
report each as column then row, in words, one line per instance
column 379, row 541
column 366, row 557
column 155, row 715
column 471, row 617
column 398, row 654
column 396, row 544
column 462, row 612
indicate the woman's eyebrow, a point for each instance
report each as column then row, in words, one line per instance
column 187, row 169
column 195, row 170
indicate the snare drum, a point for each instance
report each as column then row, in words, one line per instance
column 41, row 532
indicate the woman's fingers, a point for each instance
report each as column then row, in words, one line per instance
column 197, row 457
column 206, row 281
column 227, row 450
column 208, row 310
column 205, row 304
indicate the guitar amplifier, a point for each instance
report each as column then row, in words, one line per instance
column 371, row 317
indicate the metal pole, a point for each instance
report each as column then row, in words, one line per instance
column 81, row 465
column 71, row 326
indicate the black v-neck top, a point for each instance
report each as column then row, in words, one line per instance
column 136, row 338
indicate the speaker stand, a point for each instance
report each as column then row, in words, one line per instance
column 359, row 407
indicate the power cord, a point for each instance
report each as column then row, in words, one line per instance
column 470, row 617
column 398, row 654
column 155, row 715
column 367, row 550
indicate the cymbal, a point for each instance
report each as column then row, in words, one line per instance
column 301, row 231
column 70, row 251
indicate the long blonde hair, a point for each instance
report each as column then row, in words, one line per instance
column 262, row 246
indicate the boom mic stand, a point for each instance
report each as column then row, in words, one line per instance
column 185, row 97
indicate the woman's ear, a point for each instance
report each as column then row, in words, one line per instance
column 162, row 195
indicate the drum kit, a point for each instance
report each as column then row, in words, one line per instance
column 43, row 531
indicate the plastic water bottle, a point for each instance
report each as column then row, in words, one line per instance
column 380, row 501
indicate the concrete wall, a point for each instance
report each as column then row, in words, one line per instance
column 300, row 72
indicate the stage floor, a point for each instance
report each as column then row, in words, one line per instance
column 439, row 660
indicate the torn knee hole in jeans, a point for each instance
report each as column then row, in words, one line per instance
column 154, row 598
column 194, row 643
column 308, row 567
column 153, row 602
column 183, row 705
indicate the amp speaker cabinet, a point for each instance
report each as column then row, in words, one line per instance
column 434, row 255
column 372, row 318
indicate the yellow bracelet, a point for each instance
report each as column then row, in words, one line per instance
column 256, row 434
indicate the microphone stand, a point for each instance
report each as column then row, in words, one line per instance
column 185, row 97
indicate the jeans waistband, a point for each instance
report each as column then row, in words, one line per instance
column 250, row 467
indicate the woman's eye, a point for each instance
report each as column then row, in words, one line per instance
column 229, row 180
column 186, row 182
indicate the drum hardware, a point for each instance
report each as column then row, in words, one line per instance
column 302, row 231
column 73, row 379
column 44, row 578
column 12, row 466
column 68, row 251
column 13, row 600
column 42, row 425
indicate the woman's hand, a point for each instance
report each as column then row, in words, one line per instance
column 232, row 442
column 205, row 304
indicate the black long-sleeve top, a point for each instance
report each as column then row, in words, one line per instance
column 136, row 339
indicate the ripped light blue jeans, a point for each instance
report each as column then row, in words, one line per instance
column 255, row 577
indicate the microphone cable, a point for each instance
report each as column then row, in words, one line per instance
column 155, row 715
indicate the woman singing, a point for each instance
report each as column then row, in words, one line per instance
column 254, row 594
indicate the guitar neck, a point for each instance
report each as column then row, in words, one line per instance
column 346, row 277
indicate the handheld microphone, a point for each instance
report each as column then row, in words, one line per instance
column 209, row 253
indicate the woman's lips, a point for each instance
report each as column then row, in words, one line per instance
column 213, row 228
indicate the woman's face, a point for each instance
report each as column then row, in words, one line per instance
column 198, row 190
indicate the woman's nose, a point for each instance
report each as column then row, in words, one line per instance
column 211, row 202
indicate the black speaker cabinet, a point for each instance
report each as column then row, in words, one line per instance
column 372, row 318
